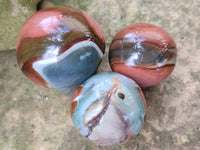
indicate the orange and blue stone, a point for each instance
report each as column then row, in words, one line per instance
column 144, row 52
column 108, row 109
column 60, row 47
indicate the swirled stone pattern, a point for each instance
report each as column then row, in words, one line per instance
column 60, row 47
column 144, row 52
column 108, row 109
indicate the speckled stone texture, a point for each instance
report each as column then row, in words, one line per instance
column 37, row 118
column 13, row 14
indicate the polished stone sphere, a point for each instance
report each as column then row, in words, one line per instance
column 108, row 109
column 144, row 52
column 60, row 47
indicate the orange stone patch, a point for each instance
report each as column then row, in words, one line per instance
column 73, row 107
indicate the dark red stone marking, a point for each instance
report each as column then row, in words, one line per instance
column 77, row 41
column 32, row 74
column 95, row 120
column 77, row 92
column 27, row 67
column 23, row 57
column 73, row 107
column 93, row 24
column 116, row 84
column 74, row 103
column 145, row 77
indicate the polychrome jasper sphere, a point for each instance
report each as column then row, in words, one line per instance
column 144, row 52
column 108, row 109
column 60, row 47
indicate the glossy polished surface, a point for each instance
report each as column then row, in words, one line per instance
column 108, row 109
column 143, row 52
column 60, row 47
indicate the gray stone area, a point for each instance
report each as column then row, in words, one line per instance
column 13, row 14
column 36, row 118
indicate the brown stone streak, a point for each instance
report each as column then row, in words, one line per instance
column 32, row 28
column 116, row 84
column 87, row 22
column 32, row 74
column 77, row 92
column 151, row 33
column 153, row 66
column 126, row 127
column 146, row 68
column 71, row 26
column 38, row 52
column 94, row 27
column 129, row 134
column 73, row 107
column 144, row 76
column 122, row 52
column 120, row 43
column 88, row 25
column 95, row 120
column 74, row 103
